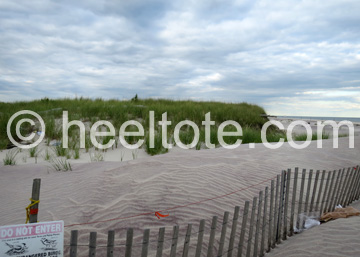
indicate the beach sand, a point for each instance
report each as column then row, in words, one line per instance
column 179, row 183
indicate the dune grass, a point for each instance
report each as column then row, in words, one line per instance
column 249, row 116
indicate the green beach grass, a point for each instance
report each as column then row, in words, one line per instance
column 249, row 116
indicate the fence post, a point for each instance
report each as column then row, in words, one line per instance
column 92, row 244
column 174, row 241
column 243, row 228
column 145, row 243
column 187, row 241
column 212, row 237
column 346, row 187
column 200, row 238
column 299, row 216
column 292, row 212
column 35, row 196
column 307, row 197
column 281, row 206
column 314, row 190
column 328, row 200
column 160, row 245
column 262, row 242
column 110, row 243
column 325, row 195
column 272, row 188
column 287, row 192
column 129, row 241
column 320, row 191
column 251, row 228
column 233, row 231
column 73, row 243
column 333, row 200
column 276, row 211
column 257, row 228
column 223, row 233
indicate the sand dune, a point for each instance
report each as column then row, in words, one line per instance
column 171, row 183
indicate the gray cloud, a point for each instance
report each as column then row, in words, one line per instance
column 278, row 54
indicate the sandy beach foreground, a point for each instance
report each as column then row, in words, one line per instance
column 117, row 195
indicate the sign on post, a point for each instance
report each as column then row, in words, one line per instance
column 43, row 239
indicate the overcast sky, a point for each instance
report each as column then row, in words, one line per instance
column 290, row 57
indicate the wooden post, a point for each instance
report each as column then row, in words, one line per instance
column 233, row 231
column 287, row 192
column 353, row 186
column 92, row 244
column 339, row 187
column 276, row 219
column 160, row 245
column 328, row 200
column 356, row 187
column 129, row 241
column 263, row 227
column 257, row 228
column 270, row 229
column 200, row 238
column 357, row 191
column 292, row 212
column 73, row 243
column 346, row 187
column 251, row 228
column 308, row 191
column 174, row 241
column 320, row 191
column 223, row 233
column 325, row 195
column 281, row 207
column 35, row 196
column 313, row 195
column 243, row 228
column 145, row 243
column 212, row 237
column 110, row 243
column 333, row 200
column 299, row 214
column 187, row 241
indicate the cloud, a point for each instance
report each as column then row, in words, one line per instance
column 276, row 54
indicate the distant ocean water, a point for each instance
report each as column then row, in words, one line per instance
column 352, row 119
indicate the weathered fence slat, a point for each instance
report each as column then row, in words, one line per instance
column 313, row 195
column 325, row 195
column 200, row 238
column 339, row 188
column 318, row 199
column 287, row 192
column 354, row 186
column 257, row 228
column 92, row 244
column 334, row 193
column 292, row 212
column 233, row 231
column 174, row 241
column 357, row 186
column 346, row 187
column 352, row 177
column 129, row 241
column 243, row 228
column 74, row 243
column 276, row 209
column 160, row 245
column 187, row 241
column 281, row 207
column 299, row 215
column 308, row 192
column 223, row 233
column 251, row 227
column 272, row 188
column 145, row 243
column 212, row 237
column 263, row 227
column 110, row 243
column 328, row 200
